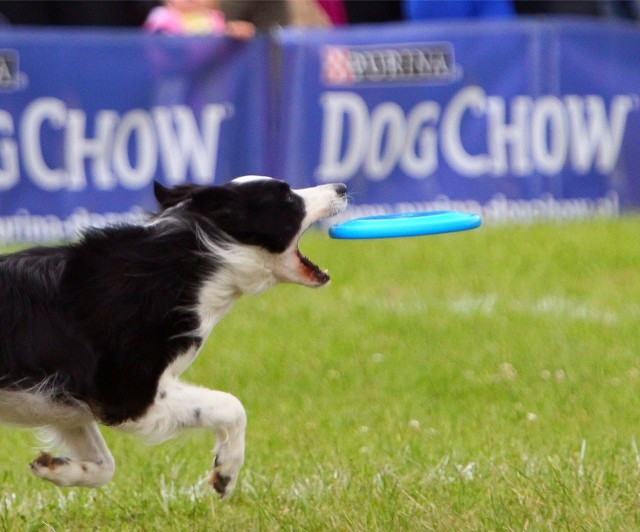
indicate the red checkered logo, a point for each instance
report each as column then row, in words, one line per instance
column 336, row 67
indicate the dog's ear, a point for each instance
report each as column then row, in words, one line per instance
column 168, row 197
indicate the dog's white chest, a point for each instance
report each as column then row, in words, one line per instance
column 183, row 361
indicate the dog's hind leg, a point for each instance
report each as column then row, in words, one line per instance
column 180, row 406
column 72, row 426
column 89, row 462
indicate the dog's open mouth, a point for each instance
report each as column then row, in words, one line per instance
column 320, row 202
column 317, row 276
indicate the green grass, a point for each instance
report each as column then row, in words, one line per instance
column 485, row 380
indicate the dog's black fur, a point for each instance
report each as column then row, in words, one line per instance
column 101, row 319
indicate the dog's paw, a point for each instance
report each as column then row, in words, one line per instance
column 66, row 472
column 224, row 476
column 48, row 467
column 45, row 460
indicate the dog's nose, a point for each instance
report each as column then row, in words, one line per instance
column 341, row 189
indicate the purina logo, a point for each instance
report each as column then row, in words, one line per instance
column 10, row 76
column 433, row 62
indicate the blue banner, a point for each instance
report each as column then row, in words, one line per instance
column 512, row 119
column 89, row 120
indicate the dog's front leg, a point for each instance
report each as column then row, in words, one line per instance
column 180, row 406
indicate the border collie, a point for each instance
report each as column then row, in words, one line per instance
column 98, row 331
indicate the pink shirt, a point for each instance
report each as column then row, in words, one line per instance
column 165, row 19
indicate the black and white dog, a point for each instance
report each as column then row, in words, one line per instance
column 98, row 331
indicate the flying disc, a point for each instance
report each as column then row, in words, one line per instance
column 405, row 224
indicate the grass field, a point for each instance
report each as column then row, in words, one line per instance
column 485, row 380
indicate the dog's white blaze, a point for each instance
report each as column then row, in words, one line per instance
column 249, row 178
column 320, row 202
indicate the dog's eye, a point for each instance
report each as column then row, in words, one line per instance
column 290, row 196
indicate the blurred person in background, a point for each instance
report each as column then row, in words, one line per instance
column 268, row 14
column 335, row 10
column 263, row 14
column 196, row 17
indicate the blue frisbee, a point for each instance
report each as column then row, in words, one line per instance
column 405, row 224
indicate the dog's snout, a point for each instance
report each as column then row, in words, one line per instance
column 341, row 189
